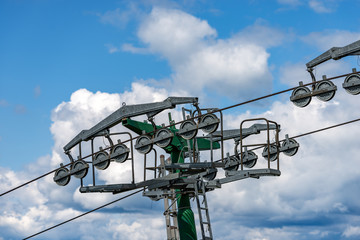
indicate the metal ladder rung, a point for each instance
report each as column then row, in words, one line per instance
column 203, row 210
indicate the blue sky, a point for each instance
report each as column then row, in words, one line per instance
column 64, row 65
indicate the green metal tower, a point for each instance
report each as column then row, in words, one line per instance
column 185, row 215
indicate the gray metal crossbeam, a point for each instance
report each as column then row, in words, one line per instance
column 199, row 165
column 108, row 188
column 126, row 111
column 235, row 133
column 336, row 53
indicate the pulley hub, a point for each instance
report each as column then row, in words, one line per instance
column 62, row 176
column 352, row 84
column 301, row 96
column 325, row 90
column 209, row 123
column 120, row 153
column 79, row 168
column 270, row 153
column 163, row 137
column 188, row 129
column 101, row 160
column 144, row 144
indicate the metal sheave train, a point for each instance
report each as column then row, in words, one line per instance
column 325, row 89
column 163, row 137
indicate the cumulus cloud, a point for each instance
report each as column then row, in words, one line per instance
column 316, row 195
column 303, row 194
column 292, row 74
column 199, row 58
column 43, row 203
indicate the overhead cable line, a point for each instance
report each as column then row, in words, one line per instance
column 83, row 214
column 28, row 182
column 173, row 124
column 327, row 128
column 311, row 132
column 107, row 204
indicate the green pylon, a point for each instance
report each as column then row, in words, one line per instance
column 185, row 216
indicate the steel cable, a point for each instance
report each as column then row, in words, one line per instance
column 83, row 214
column 217, row 110
column 112, row 202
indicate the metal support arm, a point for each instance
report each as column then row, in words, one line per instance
column 235, row 133
column 126, row 111
column 336, row 53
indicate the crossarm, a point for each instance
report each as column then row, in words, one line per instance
column 336, row 53
column 235, row 133
column 126, row 111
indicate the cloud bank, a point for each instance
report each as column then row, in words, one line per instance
column 314, row 198
column 232, row 67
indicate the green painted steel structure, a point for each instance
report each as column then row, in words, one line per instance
column 185, row 215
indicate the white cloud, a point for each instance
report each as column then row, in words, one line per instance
column 198, row 58
column 173, row 33
column 316, row 183
column 292, row 74
column 43, row 203
column 351, row 231
column 258, row 32
column 303, row 192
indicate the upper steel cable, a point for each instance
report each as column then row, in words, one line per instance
column 217, row 110
column 107, row 204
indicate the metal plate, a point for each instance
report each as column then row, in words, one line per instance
column 250, row 160
column 143, row 144
column 189, row 126
column 166, row 136
column 80, row 168
column 120, row 153
column 302, row 102
column 327, row 96
column 62, row 181
column 353, row 79
column 273, row 153
column 211, row 122
column 101, row 160
column 292, row 150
